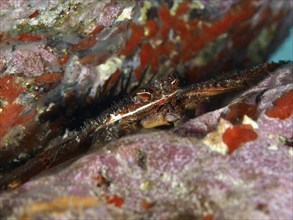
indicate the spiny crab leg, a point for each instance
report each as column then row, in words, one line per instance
column 161, row 103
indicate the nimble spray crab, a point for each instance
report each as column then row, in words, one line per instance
column 60, row 75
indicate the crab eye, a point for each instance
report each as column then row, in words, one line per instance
column 143, row 95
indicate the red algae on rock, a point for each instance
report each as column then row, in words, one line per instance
column 283, row 106
column 9, row 110
column 234, row 136
column 238, row 110
column 207, row 217
column 175, row 173
column 60, row 61
column 114, row 200
column 15, row 102
column 59, row 205
column 95, row 48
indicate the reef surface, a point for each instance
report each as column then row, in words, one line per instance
column 231, row 163
column 63, row 62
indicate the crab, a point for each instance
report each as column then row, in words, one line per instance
column 162, row 103
column 58, row 114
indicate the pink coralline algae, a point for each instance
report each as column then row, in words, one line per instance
column 62, row 63
column 92, row 47
column 235, row 136
column 176, row 174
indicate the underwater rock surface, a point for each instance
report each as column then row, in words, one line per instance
column 63, row 62
column 231, row 163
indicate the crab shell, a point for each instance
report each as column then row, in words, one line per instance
column 61, row 63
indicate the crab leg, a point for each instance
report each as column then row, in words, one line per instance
column 67, row 149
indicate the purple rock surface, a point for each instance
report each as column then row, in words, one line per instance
column 63, row 62
column 177, row 173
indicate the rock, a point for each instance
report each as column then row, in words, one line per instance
column 64, row 62
column 176, row 174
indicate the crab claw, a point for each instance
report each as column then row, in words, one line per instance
column 160, row 119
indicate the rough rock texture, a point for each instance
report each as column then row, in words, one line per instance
column 62, row 61
column 221, row 165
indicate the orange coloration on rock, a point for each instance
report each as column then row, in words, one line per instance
column 49, row 77
column 208, row 217
column 166, row 19
column 28, row 37
column 152, row 28
column 9, row 91
column 98, row 29
column 35, row 14
column 88, row 41
column 182, row 8
column 7, row 117
column 58, row 205
column 136, row 34
column 145, row 54
column 155, row 42
column 149, row 57
column 283, row 106
column 234, row 136
column 100, row 180
column 145, row 205
column 114, row 200
column 63, row 59
column 94, row 58
column 85, row 43
column 209, row 32
column 238, row 110
column 11, row 87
